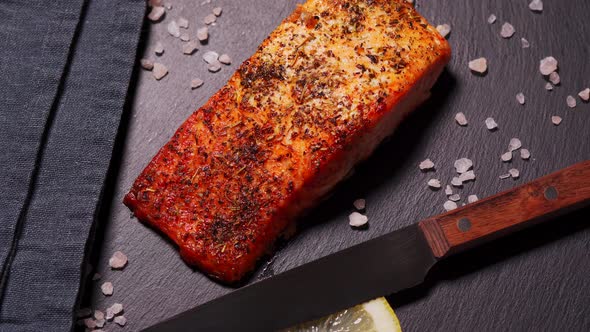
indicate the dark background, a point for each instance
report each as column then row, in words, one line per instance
column 537, row 280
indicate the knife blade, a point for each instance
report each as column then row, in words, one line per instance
column 387, row 264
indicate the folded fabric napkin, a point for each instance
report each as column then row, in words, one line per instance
column 66, row 67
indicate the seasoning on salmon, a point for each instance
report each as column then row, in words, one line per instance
column 320, row 93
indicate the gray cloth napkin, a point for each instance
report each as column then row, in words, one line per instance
column 66, row 67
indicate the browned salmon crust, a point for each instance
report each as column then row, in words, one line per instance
column 318, row 96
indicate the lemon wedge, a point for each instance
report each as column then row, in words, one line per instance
column 372, row 316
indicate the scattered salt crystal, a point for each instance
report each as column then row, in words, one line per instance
column 548, row 86
column 507, row 30
column 116, row 308
column 185, row 37
column 356, row 219
column 514, row 173
column 525, row 154
column 467, row 176
column 514, row 144
column 183, row 23
column 434, row 183
column 454, row 197
column 506, row 156
column 426, row 165
column 210, row 57
column 520, row 98
column 196, row 83
column 492, row 19
column 121, row 320
column 479, row 65
column 156, row 13
column 360, row 204
column 524, row 43
column 203, row 34
column 472, row 199
column 448, row 190
column 444, row 30
column 585, row 94
column 571, row 101
column 225, row 59
column 98, row 314
column 214, row 66
column 118, row 260
column 554, row 78
column 107, row 288
column 217, row 11
column 209, row 19
column 450, row 205
column 173, row 29
column 456, row 182
column 491, row 124
column 90, row 323
column 463, row 165
column 159, row 50
column 83, row 312
column 504, row 176
column 100, row 323
column 548, row 65
column 461, row 119
column 536, row 5
column 147, row 64
column 190, row 48
column 556, row 120
column 109, row 315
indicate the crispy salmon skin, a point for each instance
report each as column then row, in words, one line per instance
column 317, row 97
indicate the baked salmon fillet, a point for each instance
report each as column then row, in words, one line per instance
column 318, row 96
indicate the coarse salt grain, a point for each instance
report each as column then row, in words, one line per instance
column 90, row 323
column 159, row 49
column 514, row 144
column 147, row 64
column 524, row 43
column 183, row 23
column 492, row 19
column 217, row 11
column 156, row 13
column 210, row 57
column 98, row 314
column 520, row 98
column 120, row 320
column 548, row 86
column 491, row 124
column 507, row 30
column 456, row 182
column 190, row 47
column 506, row 156
column 434, row 183
column 454, row 197
column 450, row 205
column 556, row 120
column 225, row 59
column 585, row 94
column 504, row 176
column 210, row 19
column 173, row 29
column 100, row 323
column 443, row 30
column 360, row 204
column 185, row 37
column 356, row 219
column 554, row 78
column 548, row 65
column 426, row 165
column 159, row 71
column 525, row 154
column 196, row 83
column 448, row 190
column 467, row 176
column 203, row 34
column 463, row 165
column 514, row 173
column 536, row 5
column 571, row 101
column 107, row 288
column 479, row 65
column 461, row 119
column 118, row 260
column 472, row 199
column 214, row 66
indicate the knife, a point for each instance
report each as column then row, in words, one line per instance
column 386, row 264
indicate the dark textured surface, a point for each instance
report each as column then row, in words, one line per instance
column 537, row 280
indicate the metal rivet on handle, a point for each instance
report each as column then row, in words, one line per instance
column 464, row 224
column 551, row 193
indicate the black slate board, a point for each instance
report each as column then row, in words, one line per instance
column 537, row 280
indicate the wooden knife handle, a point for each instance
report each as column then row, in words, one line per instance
column 509, row 211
